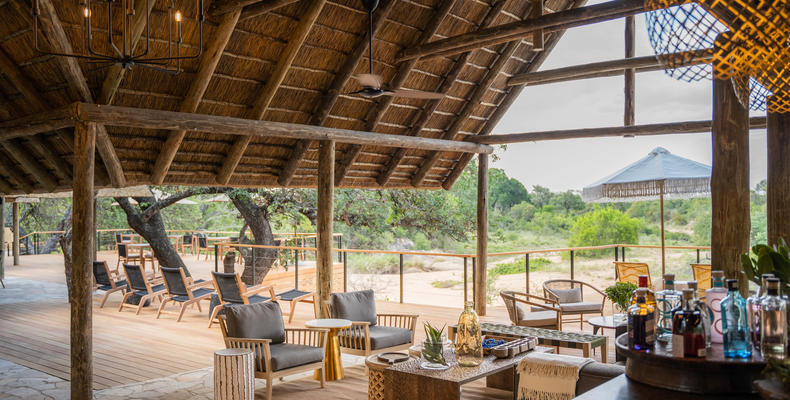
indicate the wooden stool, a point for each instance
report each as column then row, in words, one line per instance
column 234, row 374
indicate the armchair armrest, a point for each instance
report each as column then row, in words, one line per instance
column 260, row 288
column 206, row 284
column 355, row 337
column 260, row 349
column 316, row 337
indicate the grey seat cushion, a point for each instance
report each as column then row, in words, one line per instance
column 595, row 374
column 581, row 307
column 382, row 337
column 568, row 295
column 355, row 306
column 256, row 321
column 538, row 319
column 287, row 355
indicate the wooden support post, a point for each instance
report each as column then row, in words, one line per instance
column 629, row 74
column 482, row 235
column 82, row 256
column 731, row 222
column 15, row 229
column 778, row 196
column 2, row 238
column 326, row 186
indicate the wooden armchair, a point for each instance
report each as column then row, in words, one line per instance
column 702, row 274
column 183, row 290
column 231, row 290
column 629, row 272
column 297, row 350
column 543, row 313
column 569, row 294
column 110, row 281
column 390, row 332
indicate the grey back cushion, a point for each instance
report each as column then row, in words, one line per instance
column 355, row 306
column 256, row 321
column 568, row 295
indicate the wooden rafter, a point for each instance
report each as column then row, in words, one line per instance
column 273, row 82
column 254, row 10
column 61, row 169
column 376, row 113
column 208, row 64
column 59, row 41
column 30, row 164
column 221, row 7
column 12, row 172
column 5, row 186
column 330, row 96
column 507, row 52
column 518, row 30
column 425, row 114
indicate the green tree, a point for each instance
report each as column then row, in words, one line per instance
column 541, row 196
column 604, row 225
column 568, row 202
column 505, row 192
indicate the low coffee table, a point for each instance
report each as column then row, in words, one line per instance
column 608, row 322
column 407, row 381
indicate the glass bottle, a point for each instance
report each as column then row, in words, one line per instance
column 641, row 323
column 753, row 310
column 468, row 339
column 713, row 297
column 734, row 327
column 667, row 300
column 773, row 322
column 688, row 333
column 650, row 297
column 705, row 312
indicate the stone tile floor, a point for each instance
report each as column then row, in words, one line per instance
column 21, row 290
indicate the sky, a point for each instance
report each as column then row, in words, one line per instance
column 572, row 164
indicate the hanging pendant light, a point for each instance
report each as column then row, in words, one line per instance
column 123, row 53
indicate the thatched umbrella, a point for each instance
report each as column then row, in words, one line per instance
column 660, row 174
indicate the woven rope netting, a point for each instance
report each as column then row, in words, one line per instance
column 751, row 38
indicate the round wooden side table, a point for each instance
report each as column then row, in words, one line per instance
column 333, row 365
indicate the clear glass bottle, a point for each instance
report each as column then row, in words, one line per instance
column 705, row 312
column 713, row 297
column 667, row 300
column 468, row 339
column 641, row 323
column 753, row 310
column 688, row 333
column 773, row 322
column 734, row 326
column 650, row 297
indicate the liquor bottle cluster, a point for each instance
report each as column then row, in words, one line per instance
column 689, row 325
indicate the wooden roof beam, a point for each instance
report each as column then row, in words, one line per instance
column 376, row 113
column 248, row 8
column 427, row 111
column 59, row 41
column 613, row 66
column 172, row 120
column 521, row 29
column 507, row 52
column 30, row 164
column 330, row 96
column 59, row 166
column 287, row 57
column 5, row 187
column 208, row 64
column 12, row 172
column 668, row 128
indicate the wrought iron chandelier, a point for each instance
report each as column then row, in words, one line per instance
column 123, row 53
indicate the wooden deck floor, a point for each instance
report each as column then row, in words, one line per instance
column 133, row 348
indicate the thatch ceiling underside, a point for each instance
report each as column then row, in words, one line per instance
column 255, row 49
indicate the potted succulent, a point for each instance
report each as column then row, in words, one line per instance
column 433, row 348
column 764, row 259
column 620, row 295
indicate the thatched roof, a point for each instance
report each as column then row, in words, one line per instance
column 475, row 84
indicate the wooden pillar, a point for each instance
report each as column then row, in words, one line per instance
column 629, row 75
column 82, row 256
column 778, row 196
column 2, row 238
column 731, row 222
column 326, row 186
column 15, row 212
column 482, row 235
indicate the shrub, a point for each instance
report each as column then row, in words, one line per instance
column 604, row 226
column 517, row 266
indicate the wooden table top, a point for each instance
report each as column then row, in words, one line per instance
column 329, row 323
column 138, row 245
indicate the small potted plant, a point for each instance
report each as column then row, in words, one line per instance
column 620, row 295
column 433, row 349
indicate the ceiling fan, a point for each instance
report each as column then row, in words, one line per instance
column 371, row 83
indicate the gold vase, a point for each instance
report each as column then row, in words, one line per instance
column 468, row 340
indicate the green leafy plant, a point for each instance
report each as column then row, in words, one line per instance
column 764, row 259
column 620, row 294
column 433, row 348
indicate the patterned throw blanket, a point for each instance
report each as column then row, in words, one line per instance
column 549, row 376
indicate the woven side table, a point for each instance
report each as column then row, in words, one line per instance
column 234, row 374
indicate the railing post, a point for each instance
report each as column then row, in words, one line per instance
column 345, row 271
column 253, row 265
column 400, row 266
column 526, row 270
column 339, row 246
column 698, row 259
column 35, row 243
column 465, row 279
column 623, row 253
column 616, row 254
column 98, row 241
column 474, row 276
column 571, row 267
column 216, row 259
column 296, row 269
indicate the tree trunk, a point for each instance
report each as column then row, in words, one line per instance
column 65, row 246
column 55, row 239
column 257, row 220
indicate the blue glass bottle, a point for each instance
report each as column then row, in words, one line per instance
column 734, row 323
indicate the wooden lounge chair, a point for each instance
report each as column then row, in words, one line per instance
column 543, row 312
column 278, row 351
column 629, row 272
column 569, row 294
column 231, row 290
column 187, row 242
column 370, row 333
column 139, row 285
column 181, row 289
column 702, row 274
column 107, row 280
column 294, row 297
column 125, row 257
column 203, row 248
